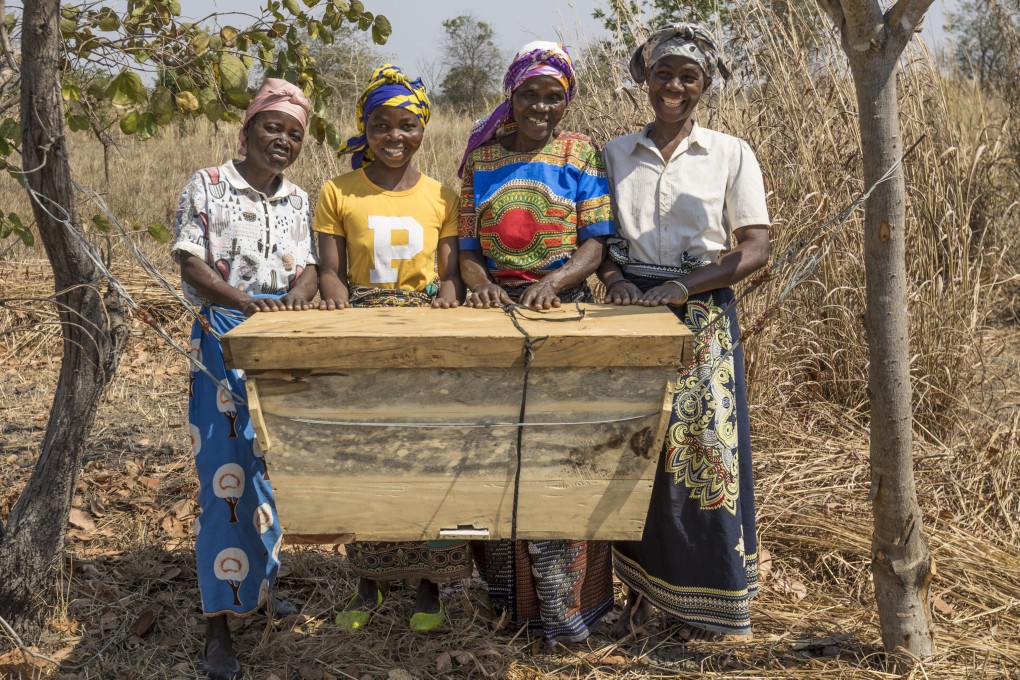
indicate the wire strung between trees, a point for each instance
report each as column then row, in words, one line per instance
column 796, row 271
column 89, row 249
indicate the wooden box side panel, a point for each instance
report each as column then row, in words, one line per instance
column 401, row 455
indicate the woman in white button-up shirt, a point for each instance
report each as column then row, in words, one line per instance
column 691, row 215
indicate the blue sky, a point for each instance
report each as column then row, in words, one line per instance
column 417, row 24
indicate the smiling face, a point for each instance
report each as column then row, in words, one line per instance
column 393, row 135
column 274, row 140
column 538, row 105
column 675, row 86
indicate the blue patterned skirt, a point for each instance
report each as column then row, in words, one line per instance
column 237, row 534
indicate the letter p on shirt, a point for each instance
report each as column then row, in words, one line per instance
column 394, row 239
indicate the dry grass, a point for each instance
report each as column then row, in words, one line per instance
column 807, row 368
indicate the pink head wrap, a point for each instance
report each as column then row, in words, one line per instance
column 275, row 95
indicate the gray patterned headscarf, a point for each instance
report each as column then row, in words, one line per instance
column 685, row 40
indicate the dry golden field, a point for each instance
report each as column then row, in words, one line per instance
column 127, row 604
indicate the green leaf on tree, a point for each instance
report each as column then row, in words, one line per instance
column 174, row 6
column 311, row 3
column 381, row 30
column 125, row 89
column 292, row 6
column 129, row 123
column 147, row 126
column 233, row 74
column 71, row 92
column 238, row 98
column 317, row 128
column 212, row 107
column 161, row 103
column 78, row 123
column 341, row 5
column 107, row 19
column 68, row 27
column 102, row 224
column 199, row 43
column 159, row 232
column 27, row 237
column 228, row 34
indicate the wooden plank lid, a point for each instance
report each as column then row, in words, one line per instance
column 410, row 337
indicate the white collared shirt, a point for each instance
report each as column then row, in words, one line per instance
column 710, row 187
column 259, row 244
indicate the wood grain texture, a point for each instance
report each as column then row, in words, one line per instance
column 419, row 338
column 388, row 510
column 401, row 455
column 395, row 424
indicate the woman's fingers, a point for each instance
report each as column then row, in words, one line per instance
column 490, row 296
column 624, row 294
column 660, row 295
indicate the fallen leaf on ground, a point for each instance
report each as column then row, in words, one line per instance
column 97, row 507
column 143, row 624
column 81, row 519
column 185, row 507
column 444, row 662
column 310, row 673
column 17, row 665
column 943, row 607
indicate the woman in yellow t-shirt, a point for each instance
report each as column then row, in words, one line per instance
column 383, row 229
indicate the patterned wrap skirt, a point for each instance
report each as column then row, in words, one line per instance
column 559, row 589
column 437, row 561
column 237, row 534
column 698, row 556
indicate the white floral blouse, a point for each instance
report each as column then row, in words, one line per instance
column 259, row 244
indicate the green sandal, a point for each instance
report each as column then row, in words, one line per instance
column 356, row 619
column 423, row 622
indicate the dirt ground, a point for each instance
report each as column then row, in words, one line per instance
column 127, row 599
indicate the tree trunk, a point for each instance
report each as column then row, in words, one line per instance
column 93, row 329
column 901, row 562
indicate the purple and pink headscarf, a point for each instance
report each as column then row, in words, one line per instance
column 275, row 95
column 538, row 58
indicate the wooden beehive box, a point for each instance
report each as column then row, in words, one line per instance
column 401, row 424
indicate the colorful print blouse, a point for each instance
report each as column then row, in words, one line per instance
column 528, row 211
column 259, row 244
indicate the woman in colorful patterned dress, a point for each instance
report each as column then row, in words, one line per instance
column 681, row 192
column 534, row 217
column 383, row 227
column 244, row 246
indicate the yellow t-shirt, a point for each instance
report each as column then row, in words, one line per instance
column 392, row 236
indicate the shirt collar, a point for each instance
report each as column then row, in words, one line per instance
column 697, row 137
column 235, row 180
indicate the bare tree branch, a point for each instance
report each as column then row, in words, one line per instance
column 905, row 16
column 5, row 40
column 865, row 23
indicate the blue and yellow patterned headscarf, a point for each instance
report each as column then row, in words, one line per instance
column 389, row 86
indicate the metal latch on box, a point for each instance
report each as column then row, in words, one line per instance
column 465, row 532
